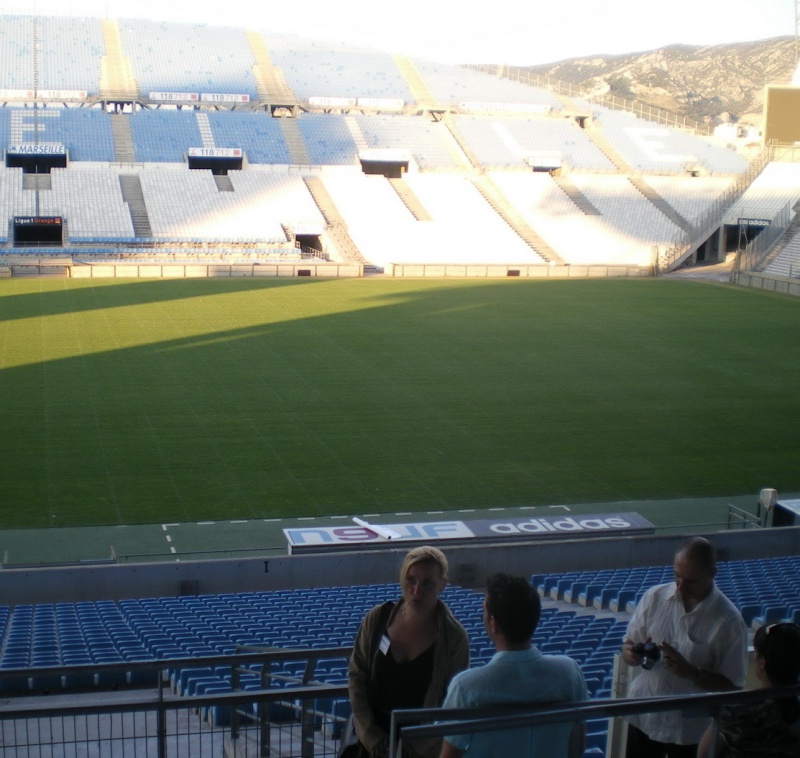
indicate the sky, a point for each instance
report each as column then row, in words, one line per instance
column 515, row 32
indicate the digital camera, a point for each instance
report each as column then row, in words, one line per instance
column 650, row 654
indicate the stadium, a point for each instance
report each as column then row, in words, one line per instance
column 255, row 286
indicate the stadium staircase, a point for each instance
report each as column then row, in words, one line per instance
column 204, row 127
column 122, row 137
column 492, row 196
column 294, row 141
column 356, row 133
column 582, row 202
column 423, row 97
column 784, row 258
column 605, row 147
column 410, row 200
column 336, row 226
column 36, row 182
column 466, row 152
column 224, row 183
column 132, row 194
column 660, row 203
column 270, row 84
column 116, row 75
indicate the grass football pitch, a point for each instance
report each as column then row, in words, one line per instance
column 140, row 401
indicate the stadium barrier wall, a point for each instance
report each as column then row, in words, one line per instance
column 779, row 284
column 470, row 565
column 505, row 270
column 203, row 270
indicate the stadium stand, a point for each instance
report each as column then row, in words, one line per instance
column 649, row 148
column 175, row 58
column 777, row 185
column 164, row 136
column 328, row 140
column 563, row 173
column 451, row 87
column 313, row 71
column 426, row 141
column 16, row 52
column 92, row 201
column 508, row 143
column 85, row 132
column 256, row 133
column 585, row 617
column 69, row 51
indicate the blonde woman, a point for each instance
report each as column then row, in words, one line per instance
column 405, row 654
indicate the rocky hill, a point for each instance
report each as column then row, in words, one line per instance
column 714, row 83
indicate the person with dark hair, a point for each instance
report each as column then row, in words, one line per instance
column 769, row 729
column 517, row 674
column 698, row 644
column 404, row 656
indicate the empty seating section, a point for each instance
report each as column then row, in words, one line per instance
column 258, row 134
column 168, row 628
column 185, row 205
column 85, row 132
column 690, row 196
column 764, row 590
column 775, row 187
column 164, row 136
column 507, row 143
column 16, row 52
column 13, row 200
column 69, row 53
column 282, row 197
column 621, row 235
column 463, row 227
column 73, row 634
column 370, row 207
column 453, row 86
column 626, row 212
column 787, row 262
column 469, row 225
column 651, row 148
column 312, row 71
column 510, row 124
column 421, row 138
column 327, row 139
column 91, row 202
column 167, row 57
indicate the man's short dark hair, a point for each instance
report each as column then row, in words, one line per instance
column 701, row 552
column 515, row 606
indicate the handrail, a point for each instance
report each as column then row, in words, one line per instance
column 758, row 250
column 451, row 720
column 712, row 216
column 249, row 654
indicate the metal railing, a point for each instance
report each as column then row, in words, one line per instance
column 289, row 721
column 409, row 725
column 710, row 220
column 570, row 89
column 296, row 718
column 757, row 251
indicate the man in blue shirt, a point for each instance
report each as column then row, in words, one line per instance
column 518, row 673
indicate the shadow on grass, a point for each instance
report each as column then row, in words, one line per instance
column 359, row 396
column 99, row 294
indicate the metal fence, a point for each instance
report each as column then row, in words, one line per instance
column 416, row 724
column 255, row 712
column 298, row 720
column 757, row 252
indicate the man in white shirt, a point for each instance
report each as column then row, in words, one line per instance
column 702, row 639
